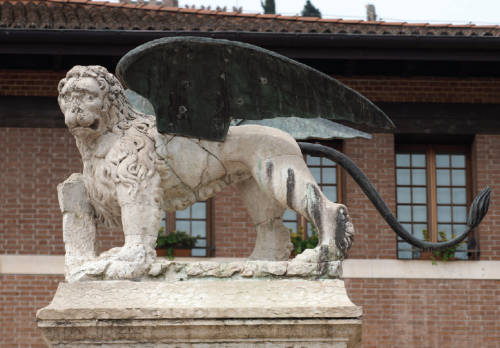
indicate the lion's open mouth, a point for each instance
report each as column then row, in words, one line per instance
column 94, row 126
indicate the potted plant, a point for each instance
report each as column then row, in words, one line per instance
column 175, row 243
column 443, row 255
column 300, row 244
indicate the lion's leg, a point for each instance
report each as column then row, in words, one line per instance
column 288, row 180
column 141, row 218
column 273, row 238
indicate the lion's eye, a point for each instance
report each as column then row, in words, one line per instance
column 90, row 97
column 66, row 97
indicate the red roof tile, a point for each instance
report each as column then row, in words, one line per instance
column 86, row 14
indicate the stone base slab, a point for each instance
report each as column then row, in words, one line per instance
column 202, row 314
column 257, row 333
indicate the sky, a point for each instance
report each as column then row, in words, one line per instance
column 480, row 12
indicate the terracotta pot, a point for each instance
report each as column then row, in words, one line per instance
column 178, row 252
column 182, row 252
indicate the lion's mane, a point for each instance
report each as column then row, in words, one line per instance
column 132, row 161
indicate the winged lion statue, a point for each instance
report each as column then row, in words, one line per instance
column 136, row 166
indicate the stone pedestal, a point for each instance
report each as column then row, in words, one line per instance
column 202, row 313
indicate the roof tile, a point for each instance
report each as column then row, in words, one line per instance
column 150, row 7
column 344, row 21
column 112, row 4
column 329, row 20
column 88, row 15
column 308, row 19
column 169, row 9
column 248, row 14
column 228, row 14
column 189, row 10
column 393, row 23
column 438, row 25
column 271, row 16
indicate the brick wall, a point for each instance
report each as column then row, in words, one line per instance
column 235, row 233
column 33, row 83
column 373, row 238
column 424, row 313
column 486, row 166
column 20, row 297
column 43, row 83
column 34, row 161
column 425, row 89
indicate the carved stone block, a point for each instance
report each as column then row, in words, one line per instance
column 202, row 314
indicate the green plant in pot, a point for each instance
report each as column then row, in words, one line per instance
column 446, row 254
column 300, row 243
column 174, row 239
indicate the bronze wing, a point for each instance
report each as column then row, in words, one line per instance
column 198, row 85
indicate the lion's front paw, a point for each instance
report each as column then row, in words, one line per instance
column 91, row 270
column 130, row 262
column 308, row 256
column 118, row 270
column 320, row 254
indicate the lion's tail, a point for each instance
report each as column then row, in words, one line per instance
column 478, row 209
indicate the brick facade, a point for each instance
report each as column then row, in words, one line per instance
column 235, row 233
column 30, row 83
column 418, row 89
column 373, row 238
column 486, row 167
column 424, row 313
column 20, row 297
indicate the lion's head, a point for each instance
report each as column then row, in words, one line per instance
column 93, row 100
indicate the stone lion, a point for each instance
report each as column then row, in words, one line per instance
column 133, row 174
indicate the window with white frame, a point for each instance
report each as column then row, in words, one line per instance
column 433, row 194
column 196, row 221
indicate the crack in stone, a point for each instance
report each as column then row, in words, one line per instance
column 222, row 164
column 202, row 174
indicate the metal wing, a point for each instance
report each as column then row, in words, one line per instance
column 299, row 128
column 197, row 85
column 304, row 129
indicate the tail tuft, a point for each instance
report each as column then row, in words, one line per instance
column 479, row 208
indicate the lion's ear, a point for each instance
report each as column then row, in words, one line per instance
column 61, row 85
column 105, row 105
column 103, row 85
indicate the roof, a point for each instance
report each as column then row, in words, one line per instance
column 99, row 15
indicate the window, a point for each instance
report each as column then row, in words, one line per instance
column 433, row 194
column 326, row 173
column 196, row 221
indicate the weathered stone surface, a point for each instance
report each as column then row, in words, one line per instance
column 79, row 227
column 201, row 314
column 178, row 333
column 172, row 271
column 200, row 299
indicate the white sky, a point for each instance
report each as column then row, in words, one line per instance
column 429, row 11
